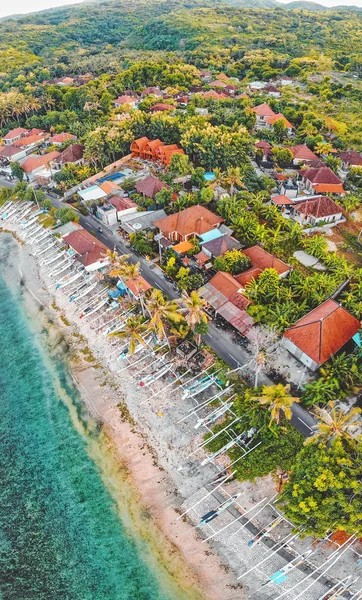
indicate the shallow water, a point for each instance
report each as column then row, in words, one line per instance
column 61, row 535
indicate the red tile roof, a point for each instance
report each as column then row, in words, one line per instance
column 161, row 107
column 225, row 283
column 150, row 186
column 323, row 331
column 263, row 110
column 279, row 117
column 15, row 133
column 264, row 145
column 138, row 286
column 196, row 219
column 302, row 152
column 35, row 162
column 281, row 200
column 151, row 91
column 238, row 299
column 249, row 275
column 139, row 144
column 323, row 175
column 28, row 140
column 122, row 203
column 9, row 151
column 125, row 100
column 217, row 83
column 319, row 207
column 108, row 187
column 215, row 95
column 86, row 245
column 72, row 154
column 60, row 138
column 264, row 260
column 352, row 158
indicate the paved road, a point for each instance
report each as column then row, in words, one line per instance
column 220, row 341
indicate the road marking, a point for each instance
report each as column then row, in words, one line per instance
column 159, row 287
column 304, row 423
column 237, row 362
column 103, row 236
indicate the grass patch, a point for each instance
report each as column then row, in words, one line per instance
column 125, row 414
column 65, row 320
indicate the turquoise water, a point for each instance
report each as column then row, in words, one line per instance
column 60, row 534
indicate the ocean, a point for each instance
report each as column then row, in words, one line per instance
column 61, row 534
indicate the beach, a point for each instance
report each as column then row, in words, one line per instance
column 140, row 468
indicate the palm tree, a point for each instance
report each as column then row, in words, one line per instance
column 334, row 424
column 162, row 311
column 134, row 330
column 179, row 332
column 278, row 400
column 233, row 178
column 193, row 309
column 316, row 245
column 133, row 274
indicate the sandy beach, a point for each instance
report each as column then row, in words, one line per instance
column 141, row 459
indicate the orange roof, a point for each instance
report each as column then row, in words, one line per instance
column 60, row 138
column 201, row 258
column 182, row 247
column 323, row 331
column 262, row 259
column 263, row 110
column 35, row 162
column 108, row 187
column 281, row 177
column 279, row 117
column 247, row 276
column 222, row 76
column 139, row 144
column 319, row 207
column 215, row 95
column 152, row 145
column 15, row 133
column 195, row 219
column 281, row 200
column 225, row 283
column 329, row 188
column 30, row 139
column 302, row 152
column 138, row 286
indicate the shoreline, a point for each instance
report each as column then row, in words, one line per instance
column 154, row 499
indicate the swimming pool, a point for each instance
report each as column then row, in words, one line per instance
column 209, row 176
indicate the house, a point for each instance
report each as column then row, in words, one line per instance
column 92, row 193
column 11, row 154
column 71, row 155
column 150, row 186
column 272, row 91
column 217, row 83
column 65, row 81
column 188, row 223
column 34, row 164
column 59, row 138
column 350, row 159
column 137, row 147
column 281, row 200
column 123, row 206
column 261, row 259
column 141, row 221
column 107, row 213
column 270, row 122
column 285, row 80
column 137, row 286
column 316, row 210
column 206, row 76
column 302, row 154
column 109, row 187
column 265, row 147
column 89, row 251
column 14, row 135
column 150, row 149
column 151, row 91
column 224, row 294
column 222, row 76
column 165, row 153
column 123, row 100
column 321, row 180
column 32, row 140
column 219, row 245
column 161, row 107
column 256, row 86
column 214, row 96
column 320, row 334
column 262, row 112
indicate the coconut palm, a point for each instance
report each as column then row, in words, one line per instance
column 234, row 178
column 278, row 400
column 334, row 424
column 135, row 328
column 193, row 310
column 132, row 273
column 162, row 311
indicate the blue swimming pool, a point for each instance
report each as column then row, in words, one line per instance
column 209, row 176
